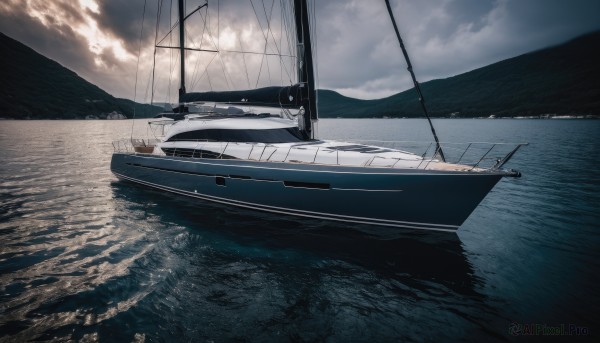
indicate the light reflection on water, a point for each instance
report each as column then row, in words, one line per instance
column 84, row 256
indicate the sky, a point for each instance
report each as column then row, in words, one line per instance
column 357, row 53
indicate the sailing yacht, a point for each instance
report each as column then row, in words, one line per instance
column 228, row 152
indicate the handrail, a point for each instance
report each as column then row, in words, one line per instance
column 473, row 156
column 482, row 157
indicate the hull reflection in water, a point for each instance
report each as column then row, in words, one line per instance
column 411, row 257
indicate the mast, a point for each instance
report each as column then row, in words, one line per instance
column 417, row 87
column 182, row 49
column 306, row 76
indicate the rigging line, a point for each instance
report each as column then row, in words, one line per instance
column 279, row 54
column 205, row 21
column 187, row 49
column 168, row 93
column 197, row 9
column 266, row 36
column 268, row 17
column 170, row 31
column 281, row 64
column 208, row 74
column 158, row 12
column 285, row 61
column 192, row 82
column 194, row 79
column 195, row 73
column 137, row 68
column 245, row 65
column 263, row 58
column 292, row 40
column 282, row 60
column 177, row 22
column 315, row 52
column 172, row 72
column 194, row 11
column 225, row 73
column 197, row 60
column 206, row 71
column 290, row 32
column 227, row 51
column 147, row 87
column 281, row 44
column 171, row 64
column 223, row 67
column 417, row 87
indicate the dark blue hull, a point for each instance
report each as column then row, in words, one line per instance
column 416, row 199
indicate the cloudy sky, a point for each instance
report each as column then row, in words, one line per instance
column 357, row 52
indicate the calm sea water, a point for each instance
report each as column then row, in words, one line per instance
column 84, row 256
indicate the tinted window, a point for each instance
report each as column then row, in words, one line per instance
column 285, row 135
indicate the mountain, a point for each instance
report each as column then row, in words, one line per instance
column 563, row 79
column 36, row 87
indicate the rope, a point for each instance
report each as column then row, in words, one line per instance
column 137, row 69
column 417, row 88
column 285, row 55
column 158, row 12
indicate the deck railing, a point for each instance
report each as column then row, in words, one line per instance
column 483, row 155
column 480, row 155
column 135, row 145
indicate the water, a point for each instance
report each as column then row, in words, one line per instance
column 84, row 256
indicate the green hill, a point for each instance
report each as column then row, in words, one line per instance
column 33, row 86
column 564, row 79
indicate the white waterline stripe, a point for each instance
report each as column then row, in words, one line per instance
column 303, row 211
column 367, row 190
column 360, row 220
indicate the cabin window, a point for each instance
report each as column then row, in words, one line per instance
column 298, row 184
column 283, row 135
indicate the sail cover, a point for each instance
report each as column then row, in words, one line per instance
column 290, row 96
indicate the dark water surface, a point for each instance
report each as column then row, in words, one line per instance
column 84, row 256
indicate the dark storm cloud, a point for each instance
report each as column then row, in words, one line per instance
column 51, row 32
column 465, row 12
column 552, row 21
column 443, row 37
column 69, row 11
column 123, row 20
column 56, row 41
column 358, row 53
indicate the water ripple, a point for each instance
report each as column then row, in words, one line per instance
column 84, row 257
